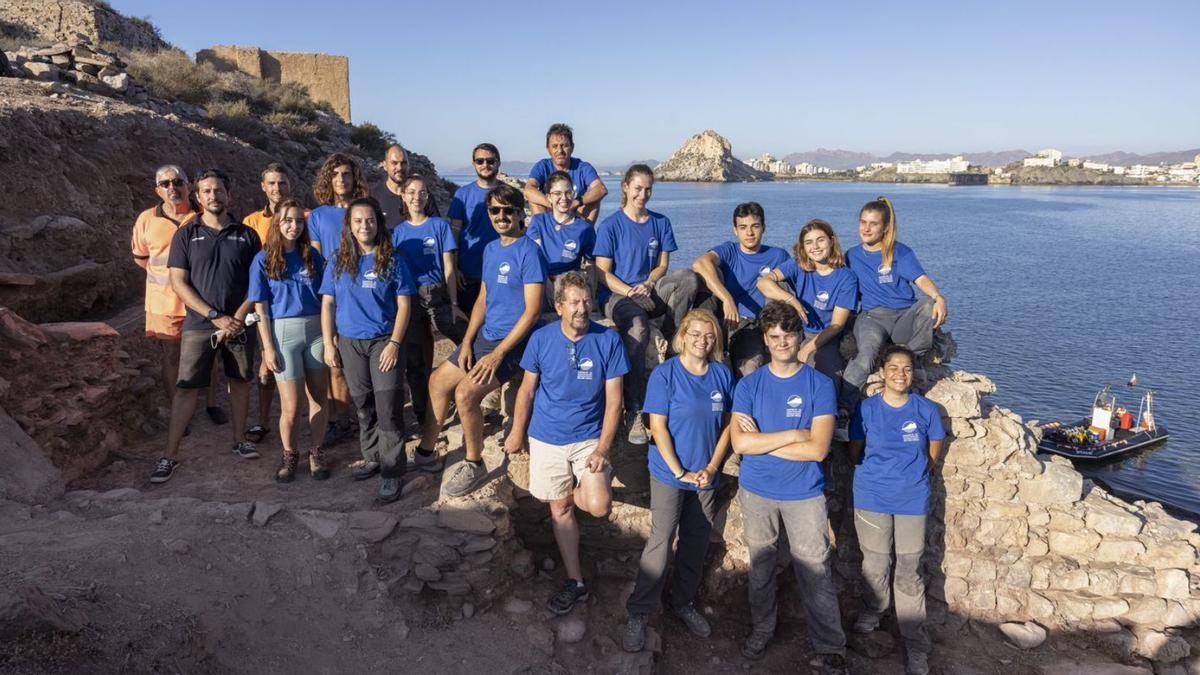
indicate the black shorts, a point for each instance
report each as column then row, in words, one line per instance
column 196, row 356
column 510, row 365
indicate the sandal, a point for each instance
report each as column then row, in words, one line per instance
column 256, row 433
column 287, row 470
column 317, row 466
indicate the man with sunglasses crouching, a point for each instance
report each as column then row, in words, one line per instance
column 209, row 265
column 573, row 374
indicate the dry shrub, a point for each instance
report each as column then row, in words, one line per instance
column 170, row 74
column 297, row 127
column 372, row 140
column 234, row 118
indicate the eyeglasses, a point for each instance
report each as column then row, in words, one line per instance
column 696, row 335
column 572, row 361
column 422, row 193
column 562, row 193
column 169, row 182
column 480, row 161
column 497, row 210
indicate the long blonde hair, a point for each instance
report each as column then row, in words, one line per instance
column 717, row 353
column 836, row 257
column 883, row 206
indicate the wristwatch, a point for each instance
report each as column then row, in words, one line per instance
column 212, row 314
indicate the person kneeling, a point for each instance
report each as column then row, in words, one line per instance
column 573, row 372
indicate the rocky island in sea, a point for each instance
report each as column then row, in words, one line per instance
column 707, row 157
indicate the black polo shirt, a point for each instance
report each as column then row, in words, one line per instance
column 218, row 265
column 394, row 212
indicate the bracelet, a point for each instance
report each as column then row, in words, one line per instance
column 681, row 474
column 394, row 342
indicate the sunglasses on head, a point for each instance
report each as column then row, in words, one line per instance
column 169, row 182
column 486, row 160
column 497, row 210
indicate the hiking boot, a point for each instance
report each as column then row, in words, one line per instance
column 564, row 601
column 466, row 478
column 865, row 623
column 287, row 470
column 363, row 469
column 389, row 490
column 834, row 664
column 318, row 467
column 163, row 470
column 429, row 463
column 694, row 620
column 637, row 429
column 755, row 645
column 245, row 450
column 917, row 663
column 634, row 637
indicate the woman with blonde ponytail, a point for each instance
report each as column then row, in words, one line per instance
column 889, row 310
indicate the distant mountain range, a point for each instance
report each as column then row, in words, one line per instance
column 848, row 159
column 521, row 169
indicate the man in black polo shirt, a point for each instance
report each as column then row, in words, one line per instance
column 210, row 271
column 387, row 191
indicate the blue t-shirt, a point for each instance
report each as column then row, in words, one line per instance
column 564, row 246
column 894, row 474
column 568, row 406
column 695, row 407
column 469, row 206
column 325, row 227
column 506, row 270
column 740, row 272
column 820, row 294
column 782, row 404
column 582, row 174
column 879, row 287
column 366, row 304
column 293, row 295
column 422, row 247
column 633, row 247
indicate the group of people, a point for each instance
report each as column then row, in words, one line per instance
column 344, row 300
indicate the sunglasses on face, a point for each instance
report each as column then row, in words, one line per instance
column 480, row 161
column 497, row 210
column 170, row 182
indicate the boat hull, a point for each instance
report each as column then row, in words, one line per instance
column 1125, row 441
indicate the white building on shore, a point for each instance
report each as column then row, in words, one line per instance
column 1047, row 157
column 952, row 165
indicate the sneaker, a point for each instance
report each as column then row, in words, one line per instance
column 564, row 601
column 389, row 490
column 637, row 429
column 635, row 633
column 363, row 469
column 917, row 663
column 865, row 623
column 841, row 432
column 466, row 478
column 833, row 664
column 694, row 620
column 245, row 450
column 430, row 463
column 755, row 645
column 163, row 470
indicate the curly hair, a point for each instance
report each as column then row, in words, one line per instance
column 276, row 265
column 836, row 257
column 348, row 255
column 781, row 314
column 323, row 187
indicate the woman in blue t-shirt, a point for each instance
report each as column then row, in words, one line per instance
column 825, row 293
column 688, row 399
column 284, row 279
column 364, row 314
column 889, row 310
column 895, row 441
column 565, row 238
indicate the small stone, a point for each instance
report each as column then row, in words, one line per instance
column 263, row 512
column 427, row 572
column 548, row 564
column 156, row 516
column 401, row 630
column 570, row 629
column 515, row 605
column 522, row 564
column 324, row 557
column 876, row 644
column 468, row 610
column 1027, row 635
column 176, row 546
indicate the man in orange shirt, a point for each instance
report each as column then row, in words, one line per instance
column 150, row 244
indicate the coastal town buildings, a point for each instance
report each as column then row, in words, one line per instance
column 1048, row 157
column 952, row 165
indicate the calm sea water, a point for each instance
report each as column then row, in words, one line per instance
column 1053, row 292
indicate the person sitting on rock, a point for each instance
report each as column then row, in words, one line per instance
column 633, row 253
column 730, row 272
column 469, row 220
column 688, row 399
column 284, row 281
column 507, row 311
column 823, row 290
column 150, row 243
column 572, row 391
column 783, row 418
column 339, row 181
column 210, row 262
column 276, row 188
column 895, row 441
column 429, row 246
column 888, row 309
column 566, row 240
column 388, row 191
column 589, row 189
column 364, row 313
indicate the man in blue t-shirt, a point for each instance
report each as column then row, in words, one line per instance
column 590, row 190
column 731, row 271
column 572, row 387
column 469, row 219
column 783, row 419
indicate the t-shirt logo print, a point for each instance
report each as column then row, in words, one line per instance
column 885, row 274
column 910, row 431
column 504, row 269
column 793, row 406
column 569, row 248
column 585, row 369
column 369, row 279
column 822, row 300
column 429, row 243
column 766, row 269
column 718, row 401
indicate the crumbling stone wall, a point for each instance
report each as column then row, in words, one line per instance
column 326, row 76
column 59, row 20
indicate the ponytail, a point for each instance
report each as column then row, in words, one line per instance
column 883, row 206
column 635, row 170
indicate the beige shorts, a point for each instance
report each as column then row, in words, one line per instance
column 555, row 470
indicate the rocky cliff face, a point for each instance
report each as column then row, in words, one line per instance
column 58, row 20
column 707, row 157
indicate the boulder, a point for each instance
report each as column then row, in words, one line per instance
column 46, row 72
column 1027, row 635
column 78, row 331
column 1058, row 484
column 1109, row 519
column 1161, row 647
column 29, row 476
column 119, row 83
column 707, row 157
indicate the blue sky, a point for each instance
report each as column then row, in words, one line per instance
column 635, row 79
